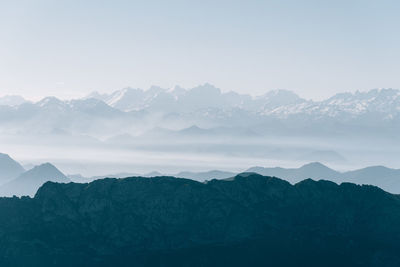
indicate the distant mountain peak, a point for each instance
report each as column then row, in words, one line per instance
column 156, row 89
column 315, row 164
column 51, row 102
column 90, row 104
column 317, row 168
column 9, row 168
column 281, row 92
column 95, row 94
column 377, row 167
column 194, row 129
column 367, row 97
column 46, row 165
column 45, row 171
column 28, row 182
column 206, row 88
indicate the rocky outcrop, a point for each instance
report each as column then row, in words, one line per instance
column 164, row 221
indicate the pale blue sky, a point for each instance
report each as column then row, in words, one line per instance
column 315, row 48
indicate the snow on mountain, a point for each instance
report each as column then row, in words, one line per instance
column 176, row 99
column 276, row 103
column 52, row 103
column 131, row 110
column 128, row 99
column 278, row 98
column 80, row 116
column 381, row 101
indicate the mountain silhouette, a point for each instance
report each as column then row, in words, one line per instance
column 252, row 220
column 9, row 168
column 383, row 177
column 316, row 169
column 28, row 182
column 386, row 178
column 313, row 170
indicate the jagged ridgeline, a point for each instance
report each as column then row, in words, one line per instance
column 251, row 220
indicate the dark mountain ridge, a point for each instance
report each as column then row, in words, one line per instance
column 252, row 220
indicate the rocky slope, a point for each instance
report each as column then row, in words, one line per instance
column 252, row 220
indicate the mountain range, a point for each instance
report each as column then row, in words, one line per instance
column 206, row 106
column 281, row 103
column 197, row 124
column 383, row 177
column 21, row 182
column 251, row 220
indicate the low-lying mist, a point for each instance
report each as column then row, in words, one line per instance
column 168, row 154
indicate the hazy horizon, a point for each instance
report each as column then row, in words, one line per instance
column 36, row 98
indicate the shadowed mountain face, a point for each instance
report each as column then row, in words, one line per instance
column 249, row 221
column 9, row 168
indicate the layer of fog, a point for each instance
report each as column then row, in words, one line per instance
column 89, row 156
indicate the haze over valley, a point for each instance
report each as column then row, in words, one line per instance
column 199, row 129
